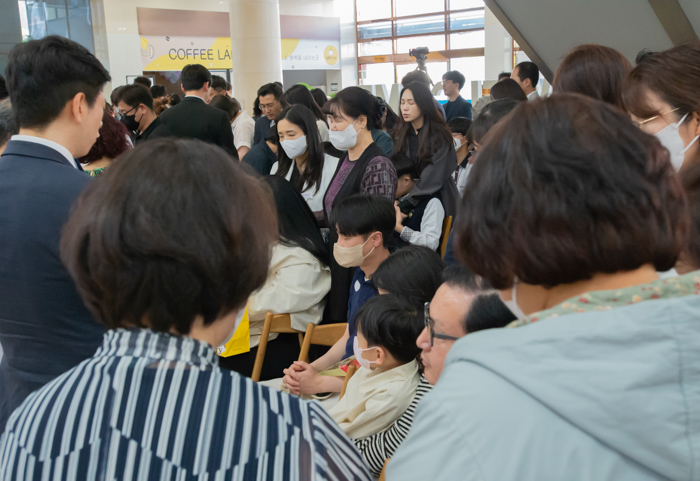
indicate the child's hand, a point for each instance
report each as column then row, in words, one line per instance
column 304, row 378
column 400, row 216
column 290, row 378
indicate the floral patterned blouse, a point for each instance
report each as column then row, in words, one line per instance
column 685, row 285
column 96, row 172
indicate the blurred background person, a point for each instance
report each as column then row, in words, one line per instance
column 508, row 89
column 452, row 83
column 8, row 125
column 300, row 95
column 111, row 143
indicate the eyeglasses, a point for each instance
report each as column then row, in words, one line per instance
column 429, row 325
column 123, row 114
column 640, row 123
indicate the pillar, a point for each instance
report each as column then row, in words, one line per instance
column 10, row 30
column 498, row 47
column 256, row 48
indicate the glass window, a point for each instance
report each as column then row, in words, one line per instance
column 473, row 68
column 433, row 42
column 467, row 20
column 417, row 7
column 475, row 39
column 374, row 30
column 462, row 4
column 373, row 9
column 378, row 74
column 435, row 70
column 376, row 47
column 416, row 26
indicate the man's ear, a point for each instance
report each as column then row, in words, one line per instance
column 78, row 107
column 182, row 87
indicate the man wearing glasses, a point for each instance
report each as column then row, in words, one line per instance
column 135, row 110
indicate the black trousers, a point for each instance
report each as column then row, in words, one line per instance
column 280, row 354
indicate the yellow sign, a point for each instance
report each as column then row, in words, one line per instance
column 331, row 55
column 379, row 58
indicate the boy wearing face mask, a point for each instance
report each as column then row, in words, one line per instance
column 365, row 227
column 459, row 126
column 384, row 386
column 419, row 224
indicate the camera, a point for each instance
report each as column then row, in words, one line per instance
column 420, row 54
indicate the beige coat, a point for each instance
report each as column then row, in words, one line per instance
column 374, row 400
column 296, row 284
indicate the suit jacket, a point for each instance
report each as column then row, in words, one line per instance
column 192, row 118
column 45, row 329
column 262, row 127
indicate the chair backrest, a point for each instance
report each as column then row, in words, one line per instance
column 382, row 476
column 446, row 227
column 352, row 369
column 325, row 335
column 274, row 323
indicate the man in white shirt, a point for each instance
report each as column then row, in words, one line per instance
column 243, row 127
column 56, row 94
column 527, row 75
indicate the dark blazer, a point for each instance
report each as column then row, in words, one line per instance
column 262, row 127
column 45, row 329
column 192, row 118
column 261, row 158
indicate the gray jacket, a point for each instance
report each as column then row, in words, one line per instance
column 609, row 395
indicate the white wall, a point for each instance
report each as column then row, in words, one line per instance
column 124, row 47
column 497, row 47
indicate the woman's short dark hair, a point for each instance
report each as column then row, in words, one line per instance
column 112, row 141
column 194, row 76
column 300, row 95
column 176, row 229
column 303, row 118
column 135, row 95
column 363, row 214
column 489, row 116
column 256, row 107
column 673, row 75
column 434, row 134
column 459, row 125
column 393, row 323
column 352, row 102
column 175, row 99
column 218, row 83
column 690, row 179
column 297, row 224
column 414, row 272
column 595, row 71
column 43, row 75
column 158, row 91
column 320, row 97
column 227, row 104
column 565, row 188
column 508, row 89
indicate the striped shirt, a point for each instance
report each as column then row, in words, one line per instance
column 379, row 447
column 154, row 406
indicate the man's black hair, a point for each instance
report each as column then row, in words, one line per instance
column 43, row 75
column 503, row 75
column 218, row 83
column 194, row 76
column 405, row 165
column 393, row 323
column 490, row 116
column 416, row 76
column 3, row 89
column 363, row 214
column 271, row 88
column 143, row 81
column 158, row 91
column 8, row 126
column 459, row 125
column 227, row 104
column 456, row 77
column 528, row 70
column 134, row 95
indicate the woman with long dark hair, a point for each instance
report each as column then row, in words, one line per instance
column 297, row 283
column 320, row 97
column 300, row 95
column 301, row 159
column 365, row 169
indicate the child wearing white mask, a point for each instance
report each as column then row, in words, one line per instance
column 384, row 386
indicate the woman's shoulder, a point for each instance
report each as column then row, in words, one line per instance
column 380, row 163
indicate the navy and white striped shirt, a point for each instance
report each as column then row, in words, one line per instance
column 154, row 406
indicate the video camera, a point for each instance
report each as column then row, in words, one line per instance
column 420, row 54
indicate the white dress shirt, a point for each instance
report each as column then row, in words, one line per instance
column 462, row 178
column 48, row 143
column 243, row 130
column 533, row 96
column 430, row 227
column 313, row 198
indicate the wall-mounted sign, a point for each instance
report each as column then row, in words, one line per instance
column 160, row 53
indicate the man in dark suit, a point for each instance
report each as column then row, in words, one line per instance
column 270, row 97
column 193, row 118
column 45, row 329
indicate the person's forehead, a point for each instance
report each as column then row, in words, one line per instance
column 269, row 98
column 450, row 304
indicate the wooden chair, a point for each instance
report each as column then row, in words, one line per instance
column 326, row 335
column 352, row 369
column 446, row 227
column 280, row 324
column 382, row 476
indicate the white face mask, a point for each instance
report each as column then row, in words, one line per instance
column 344, row 139
column 672, row 140
column 294, row 147
column 458, row 143
column 513, row 303
column 358, row 355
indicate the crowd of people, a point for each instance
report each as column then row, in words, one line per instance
column 555, row 338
